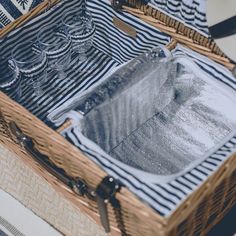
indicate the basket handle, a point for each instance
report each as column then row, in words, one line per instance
column 104, row 193
column 77, row 186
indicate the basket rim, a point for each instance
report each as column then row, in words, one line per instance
column 180, row 32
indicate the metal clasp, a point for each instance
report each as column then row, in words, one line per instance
column 117, row 4
column 18, row 136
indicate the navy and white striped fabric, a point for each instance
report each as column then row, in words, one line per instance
column 217, row 71
column 190, row 12
column 111, row 49
column 166, row 196
column 13, row 9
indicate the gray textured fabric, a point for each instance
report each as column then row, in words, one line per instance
column 156, row 116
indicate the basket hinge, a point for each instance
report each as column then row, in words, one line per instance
column 117, row 4
column 105, row 193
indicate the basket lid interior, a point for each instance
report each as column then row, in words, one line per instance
column 10, row 10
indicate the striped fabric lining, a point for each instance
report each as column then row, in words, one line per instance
column 5, row 18
column 190, row 12
column 112, row 47
column 217, row 71
column 166, row 197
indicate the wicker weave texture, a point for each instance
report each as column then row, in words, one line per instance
column 196, row 216
column 200, row 212
column 208, row 205
column 133, row 210
column 31, row 190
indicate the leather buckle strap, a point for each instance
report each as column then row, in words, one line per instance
column 106, row 193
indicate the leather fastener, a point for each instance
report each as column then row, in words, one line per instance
column 105, row 193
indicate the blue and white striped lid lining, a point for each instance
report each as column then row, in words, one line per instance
column 190, row 12
column 111, row 48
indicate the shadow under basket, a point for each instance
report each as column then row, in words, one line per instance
column 143, row 139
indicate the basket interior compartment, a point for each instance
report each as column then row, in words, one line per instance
column 162, row 142
column 160, row 120
column 111, row 47
column 183, row 132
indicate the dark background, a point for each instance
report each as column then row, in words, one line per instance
column 227, row 227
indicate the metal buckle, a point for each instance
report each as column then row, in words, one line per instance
column 117, row 4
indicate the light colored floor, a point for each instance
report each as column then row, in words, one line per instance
column 15, row 219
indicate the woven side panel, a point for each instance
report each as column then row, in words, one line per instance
column 133, row 210
column 85, row 205
column 61, row 152
column 208, row 205
column 36, row 194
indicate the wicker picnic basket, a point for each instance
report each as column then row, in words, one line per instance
column 82, row 181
